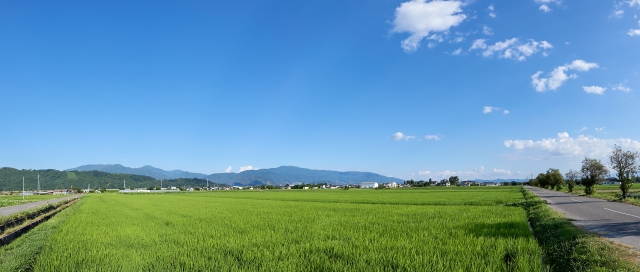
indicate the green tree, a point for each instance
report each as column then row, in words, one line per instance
column 454, row 180
column 572, row 177
column 542, row 180
column 555, row 178
column 626, row 164
column 593, row 172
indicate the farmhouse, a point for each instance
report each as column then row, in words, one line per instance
column 62, row 192
column 391, row 185
column 368, row 185
column 611, row 180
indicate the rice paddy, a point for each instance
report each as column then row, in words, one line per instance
column 455, row 229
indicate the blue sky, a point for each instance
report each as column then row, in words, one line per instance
column 412, row 89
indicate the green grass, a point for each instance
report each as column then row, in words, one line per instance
column 610, row 192
column 456, row 229
column 22, row 253
column 569, row 248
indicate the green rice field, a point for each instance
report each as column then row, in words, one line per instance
column 444, row 229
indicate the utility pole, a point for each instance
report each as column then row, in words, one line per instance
column 22, row 187
column 125, row 184
column 38, row 182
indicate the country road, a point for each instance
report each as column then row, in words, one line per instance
column 618, row 222
column 18, row 208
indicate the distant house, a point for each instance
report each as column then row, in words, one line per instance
column 62, row 192
column 490, row 184
column 369, row 185
column 448, row 184
column 611, row 180
column 390, row 185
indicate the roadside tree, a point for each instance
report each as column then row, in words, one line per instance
column 572, row 177
column 555, row 178
column 626, row 164
column 593, row 172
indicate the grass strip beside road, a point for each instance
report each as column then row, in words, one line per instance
column 567, row 247
column 608, row 193
column 22, row 253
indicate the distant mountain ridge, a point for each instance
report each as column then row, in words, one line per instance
column 146, row 170
column 277, row 176
column 291, row 175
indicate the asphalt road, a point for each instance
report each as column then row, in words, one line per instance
column 18, row 208
column 619, row 222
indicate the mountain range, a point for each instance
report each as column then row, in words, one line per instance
column 146, row 170
column 278, row 176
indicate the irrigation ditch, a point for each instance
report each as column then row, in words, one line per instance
column 16, row 227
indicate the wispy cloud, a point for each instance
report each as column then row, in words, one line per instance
column 511, row 48
column 434, row 137
column 564, row 145
column 558, row 76
column 400, row 136
column 492, row 12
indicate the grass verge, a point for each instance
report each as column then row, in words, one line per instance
column 22, row 253
column 608, row 193
column 567, row 247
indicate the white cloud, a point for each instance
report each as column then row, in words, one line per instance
column 601, row 129
column 476, row 173
column 633, row 32
column 594, row 89
column 511, row 48
column 487, row 30
column 634, row 3
column 457, row 52
column 582, row 65
column 565, row 146
column 458, row 39
column 247, row 168
column 621, row 87
column 488, row 109
column 617, row 14
column 491, row 9
column 558, row 76
column 478, row 44
column 544, row 7
column 583, row 129
column 400, row 136
column 419, row 18
column 434, row 137
column 228, row 170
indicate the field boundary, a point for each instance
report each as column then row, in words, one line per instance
column 29, row 222
column 567, row 247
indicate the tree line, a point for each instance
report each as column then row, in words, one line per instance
column 11, row 180
column 592, row 172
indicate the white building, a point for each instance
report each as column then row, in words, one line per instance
column 391, row 185
column 368, row 185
